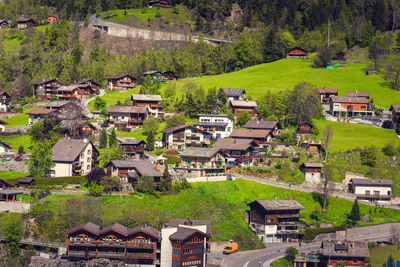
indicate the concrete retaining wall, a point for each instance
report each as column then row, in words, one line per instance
column 218, row 246
column 207, row 179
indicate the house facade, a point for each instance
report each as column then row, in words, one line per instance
column 237, row 150
column 297, row 52
column 347, row 253
column 127, row 116
column 23, row 23
column 272, row 126
column 311, row 172
column 304, row 128
column 45, row 89
column 73, row 157
column 234, row 94
column 3, row 125
column 37, row 115
column 162, row 75
column 182, row 136
column 201, row 162
column 132, row 147
column 121, row 82
column 238, row 106
column 372, row 190
column 137, row 246
column 326, row 93
column 220, row 126
column 4, row 24
column 4, row 148
column 350, row 106
column 152, row 102
column 275, row 221
column 4, row 100
column 261, row 137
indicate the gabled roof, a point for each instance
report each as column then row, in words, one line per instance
column 143, row 167
column 279, row 204
column 234, row 144
column 26, row 180
column 67, row 150
column 299, row 48
column 244, row 103
column 116, row 227
column 150, row 72
column 372, row 182
column 5, row 144
column 2, row 181
column 3, row 122
column 254, row 124
column 145, row 229
column 312, row 165
column 22, row 20
column 89, row 227
column 142, row 97
column 199, row 152
column 249, row 133
column 216, row 116
column 68, row 88
column 59, row 104
column 349, row 99
column 304, row 122
column 188, row 222
column 85, row 81
column 234, row 92
column 180, row 127
column 44, row 81
column 119, row 76
column 79, row 123
column 396, row 108
column 4, row 92
column 131, row 141
column 41, row 111
column 327, row 90
column 358, row 94
column 184, row 233
column 127, row 109
column 337, row 248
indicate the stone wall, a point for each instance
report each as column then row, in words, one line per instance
column 14, row 207
column 14, row 166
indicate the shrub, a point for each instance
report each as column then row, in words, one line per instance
column 291, row 253
column 95, row 190
column 172, row 160
column 368, row 156
column 389, row 149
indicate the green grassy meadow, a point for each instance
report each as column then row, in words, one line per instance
column 379, row 255
column 18, row 140
column 11, row 175
column 17, row 120
column 112, row 97
column 350, row 135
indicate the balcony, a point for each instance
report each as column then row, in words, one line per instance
column 140, row 245
column 110, row 255
column 141, row 256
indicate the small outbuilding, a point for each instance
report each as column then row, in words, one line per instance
column 26, row 182
column 305, row 128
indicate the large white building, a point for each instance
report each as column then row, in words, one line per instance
column 372, row 190
column 73, row 157
column 220, row 126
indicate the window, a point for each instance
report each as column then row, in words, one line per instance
column 89, row 152
column 82, row 155
column 376, row 193
column 367, row 192
column 88, row 167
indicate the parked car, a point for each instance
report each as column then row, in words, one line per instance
column 18, row 159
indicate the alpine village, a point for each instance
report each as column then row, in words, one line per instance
column 207, row 133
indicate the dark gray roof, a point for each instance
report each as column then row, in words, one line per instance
column 268, row 125
column 147, row 229
column 130, row 141
column 232, row 92
column 22, row 20
column 373, row 182
column 199, row 152
column 216, row 116
column 127, row 109
column 234, row 144
column 26, row 180
column 349, row 99
column 119, row 76
column 210, row 123
column 89, row 227
column 142, row 97
column 243, row 103
column 9, row 192
column 116, row 227
column 188, row 222
column 122, row 163
column 179, row 127
column 280, row 204
column 354, row 248
column 144, row 167
column 312, row 165
column 58, row 104
column 358, row 94
column 5, row 144
column 183, row 233
column 67, row 150
column 249, row 133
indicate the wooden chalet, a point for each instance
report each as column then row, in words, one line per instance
column 46, row 89
column 304, row 128
column 87, row 87
column 4, row 24
column 63, row 106
column 37, row 115
column 23, row 23
column 121, row 82
column 132, row 147
column 348, row 253
column 326, row 93
column 78, row 129
column 272, row 126
column 259, row 136
column 7, row 194
column 181, row 136
column 238, row 106
column 4, row 184
column 241, row 150
column 136, row 245
column 358, row 94
column 312, row 146
column 395, row 109
column 51, row 19
column 158, row 3
column 127, row 116
column 297, row 52
column 152, row 102
column 25, row 182
column 275, row 221
column 162, row 75
column 5, row 100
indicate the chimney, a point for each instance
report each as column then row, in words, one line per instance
column 157, row 166
column 275, row 197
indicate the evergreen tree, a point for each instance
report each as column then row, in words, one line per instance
column 166, row 184
column 221, row 98
column 112, row 141
column 103, row 139
column 190, row 106
column 210, row 104
column 150, row 141
column 354, row 215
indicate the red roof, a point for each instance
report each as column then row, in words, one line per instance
column 3, row 122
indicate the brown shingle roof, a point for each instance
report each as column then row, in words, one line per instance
column 349, row 99
column 327, row 90
column 358, row 94
column 234, row 144
column 89, row 227
column 244, row 103
column 177, row 222
column 144, row 167
column 116, row 227
column 131, row 141
column 127, row 109
column 268, row 125
column 145, row 229
column 41, row 111
column 337, row 248
column 183, row 126
column 372, row 182
column 250, row 134
column 67, row 150
column 184, row 233
column 280, row 204
column 312, row 165
column 119, row 76
column 142, row 97
column 199, row 152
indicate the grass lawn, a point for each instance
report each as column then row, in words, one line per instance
column 17, row 140
column 379, row 255
column 112, row 97
column 138, row 134
column 17, row 121
column 282, row 262
column 350, row 135
column 11, row 174
column 286, row 73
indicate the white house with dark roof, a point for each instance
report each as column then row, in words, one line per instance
column 311, row 171
column 372, row 190
column 234, row 94
column 4, row 148
column 220, row 126
column 73, row 157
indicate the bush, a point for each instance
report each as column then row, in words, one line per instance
column 287, row 138
column 291, row 253
column 311, row 233
column 368, row 156
column 172, row 160
column 389, row 149
column 95, row 190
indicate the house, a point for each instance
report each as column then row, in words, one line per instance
column 127, row 116
column 158, row 3
column 234, row 94
column 150, row 101
column 312, row 146
column 259, row 136
column 137, row 246
column 311, row 171
column 162, row 75
column 46, row 89
column 25, row 182
column 87, row 87
column 63, row 106
column 297, row 52
column 129, row 170
column 272, row 126
column 3, row 125
column 305, row 128
column 23, row 23
column 395, row 109
column 358, row 94
column 121, row 82
column 4, row 24
column 347, row 253
column 185, row 243
column 237, row 150
column 37, row 115
column 275, row 221
column 310, row 259
column 51, row 19
column 169, row 76
column 73, row 157
column 4, row 100
column 372, row 190
column 201, row 162
column 4, row 148
column 350, row 106
column 220, row 126
column 132, row 147
column 77, row 129
column 238, row 106
column 181, row 136
column 326, row 93
column 4, row 184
